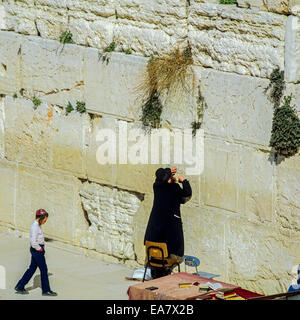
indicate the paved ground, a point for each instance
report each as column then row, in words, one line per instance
column 72, row 275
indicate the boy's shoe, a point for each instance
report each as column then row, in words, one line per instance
column 21, row 291
column 49, row 293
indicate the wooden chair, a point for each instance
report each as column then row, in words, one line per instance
column 157, row 256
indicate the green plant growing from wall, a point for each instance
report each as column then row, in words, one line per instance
column 165, row 74
column 66, row 37
column 196, row 124
column 151, row 112
column 277, row 86
column 111, row 47
column 227, row 2
column 105, row 55
column 80, row 106
column 69, row 108
column 127, row 51
column 36, row 101
column 285, row 137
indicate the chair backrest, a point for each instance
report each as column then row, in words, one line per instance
column 157, row 250
column 191, row 261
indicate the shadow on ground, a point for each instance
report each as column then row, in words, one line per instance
column 37, row 282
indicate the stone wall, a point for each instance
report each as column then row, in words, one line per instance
column 243, row 220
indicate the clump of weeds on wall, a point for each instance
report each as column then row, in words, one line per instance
column 201, row 106
column 36, row 102
column 106, row 51
column 80, row 107
column 127, row 51
column 151, row 112
column 69, row 108
column 285, row 136
column 164, row 75
column 66, row 37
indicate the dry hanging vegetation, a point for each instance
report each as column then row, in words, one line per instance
column 166, row 74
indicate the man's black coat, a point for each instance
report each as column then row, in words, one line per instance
column 163, row 226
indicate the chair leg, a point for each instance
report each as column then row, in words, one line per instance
column 145, row 271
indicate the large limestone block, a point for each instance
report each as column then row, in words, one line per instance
column 112, row 88
column 27, row 135
column 221, row 175
column 236, row 40
column 204, row 236
column 8, row 173
column 44, row 137
column 137, row 177
column 146, row 152
column 99, row 161
column 151, row 27
column 139, row 172
column 49, row 68
column 292, row 49
column 258, row 258
column 237, row 107
column 113, row 156
column 111, row 213
column 257, row 186
column 70, row 139
column 10, row 62
column 56, row 193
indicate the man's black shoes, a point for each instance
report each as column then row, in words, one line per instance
column 49, row 293
column 21, row 291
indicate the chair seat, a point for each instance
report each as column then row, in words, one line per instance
column 158, row 263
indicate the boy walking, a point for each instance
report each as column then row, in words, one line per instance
column 37, row 251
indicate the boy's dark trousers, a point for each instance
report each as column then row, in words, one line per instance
column 37, row 260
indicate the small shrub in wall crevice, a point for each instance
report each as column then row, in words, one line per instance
column 285, row 138
column 285, row 135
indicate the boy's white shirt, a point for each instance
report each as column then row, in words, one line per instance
column 36, row 236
